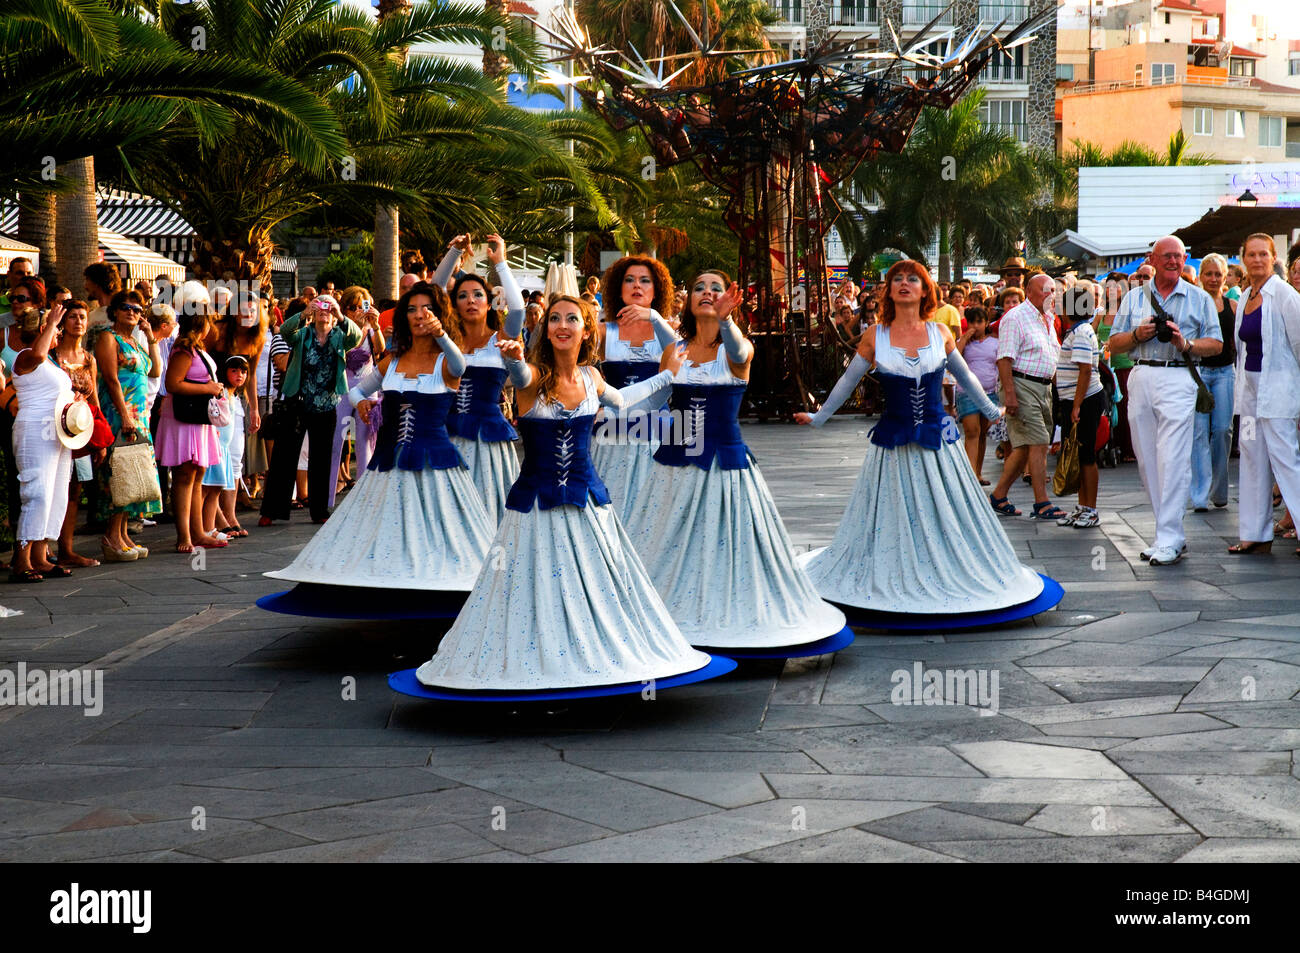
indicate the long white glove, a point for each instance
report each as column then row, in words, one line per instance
column 515, row 309
column 960, row 370
column 452, row 358
column 733, row 342
column 633, row 394
column 367, row 387
column 842, row 390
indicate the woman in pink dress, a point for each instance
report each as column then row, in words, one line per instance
column 188, row 447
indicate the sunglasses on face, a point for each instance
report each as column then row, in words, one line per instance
column 133, row 308
column 19, row 298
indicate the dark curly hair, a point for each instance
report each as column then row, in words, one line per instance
column 441, row 307
column 612, row 285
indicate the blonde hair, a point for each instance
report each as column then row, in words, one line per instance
column 542, row 354
column 1214, row 258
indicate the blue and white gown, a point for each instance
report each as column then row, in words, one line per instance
column 414, row 520
column 625, row 445
column 709, row 533
column 481, row 432
column 562, row 600
column 918, row 535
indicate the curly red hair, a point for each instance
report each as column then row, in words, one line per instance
column 930, row 294
column 612, row 285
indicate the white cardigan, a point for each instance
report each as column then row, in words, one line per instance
column 1278, row 393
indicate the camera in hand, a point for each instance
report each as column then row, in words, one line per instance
column 1164, row 328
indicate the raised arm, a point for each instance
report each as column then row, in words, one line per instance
column 515, row 307
column 447, row 267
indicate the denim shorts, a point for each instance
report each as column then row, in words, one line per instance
column 967, row 406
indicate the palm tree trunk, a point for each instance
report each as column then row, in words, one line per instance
column 494, row 63
column 945, row 259
column 77, row 226
column 383, row 279
column 226, row 259
column 958, row 253
column 385, row 260
column 36, row 227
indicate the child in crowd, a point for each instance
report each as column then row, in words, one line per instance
column 981, row 354
column 221, row 480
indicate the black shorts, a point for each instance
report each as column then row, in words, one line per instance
column 1089, row 421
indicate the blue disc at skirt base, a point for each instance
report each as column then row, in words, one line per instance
column 406, row 683
column 916, row 622
column 832, row 643
column 365, row 602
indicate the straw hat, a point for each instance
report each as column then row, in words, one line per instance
column 73, row 422
column 1013, row 264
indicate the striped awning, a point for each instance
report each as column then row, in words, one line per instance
column 130, row 214
column 140, row 263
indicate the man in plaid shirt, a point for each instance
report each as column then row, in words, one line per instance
column 1027, row 356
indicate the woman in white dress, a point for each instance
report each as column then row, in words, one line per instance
column 478, row 428
column 563, row 602
column 706, row 526
column 414, row 520
column 918, row 536
column 633, row 335
column 44, row 463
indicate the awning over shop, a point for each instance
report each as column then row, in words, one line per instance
column 140, row 263
column 284, row 263
column 11, row 248
column 1224, row 229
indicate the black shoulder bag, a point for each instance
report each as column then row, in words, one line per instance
column 1204, row 399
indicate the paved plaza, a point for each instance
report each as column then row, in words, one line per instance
column 1152, row 717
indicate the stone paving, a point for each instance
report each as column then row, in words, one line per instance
column 1152, row 717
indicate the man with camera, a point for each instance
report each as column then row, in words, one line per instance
column 1164, row 326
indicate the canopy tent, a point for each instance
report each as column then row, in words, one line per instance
column 1136, row 263
column 136, row 262
column 1223, row 229
column 11, row 248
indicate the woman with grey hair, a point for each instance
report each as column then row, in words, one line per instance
column 1213, row 431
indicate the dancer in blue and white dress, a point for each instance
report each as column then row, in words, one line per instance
column 637, row 290
column 918, row 535
column 563, row 601
column 478, row 428
column 414, row 519
column 707, row 528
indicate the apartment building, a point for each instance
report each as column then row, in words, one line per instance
column 1020, row 85
column 1153, row 67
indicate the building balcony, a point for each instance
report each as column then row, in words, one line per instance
column 855, row 14
column 1005, row 74
column 1013, row 13
column 1224, row 82
column 919, row 14
column 790, row 11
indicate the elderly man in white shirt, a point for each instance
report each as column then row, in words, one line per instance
column 1162, row 393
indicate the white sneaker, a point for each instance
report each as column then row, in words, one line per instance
column 1087, row 519
column 1165, row 556
column 1147, row 553
column 1072, row 518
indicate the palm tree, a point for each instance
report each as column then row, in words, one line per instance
column 80, row 78
column 967, row 184
column 655, row 30
column 236, row 186
column 493, row 62
column 387, row 226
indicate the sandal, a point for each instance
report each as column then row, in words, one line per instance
column 56, row 572
column 1260, row 548
column 1002, row 506
column 25, row 575
column 1047, row 510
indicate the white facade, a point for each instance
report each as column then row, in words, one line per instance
column 1123, row 210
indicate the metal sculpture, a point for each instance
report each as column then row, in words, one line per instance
column 776, row 138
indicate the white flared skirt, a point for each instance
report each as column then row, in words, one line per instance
column 562, row 602
column 713, row 542
column 624, row 468
column 400, row 529
column 918, row 536
column 493, row 468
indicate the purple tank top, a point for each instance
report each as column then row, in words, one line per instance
column 1251, row 333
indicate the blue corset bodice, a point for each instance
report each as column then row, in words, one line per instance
column 622, row 373
column 413, row 434
column 914, row 412
column 476, row 411
column 705, row 427
column 557, row 468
